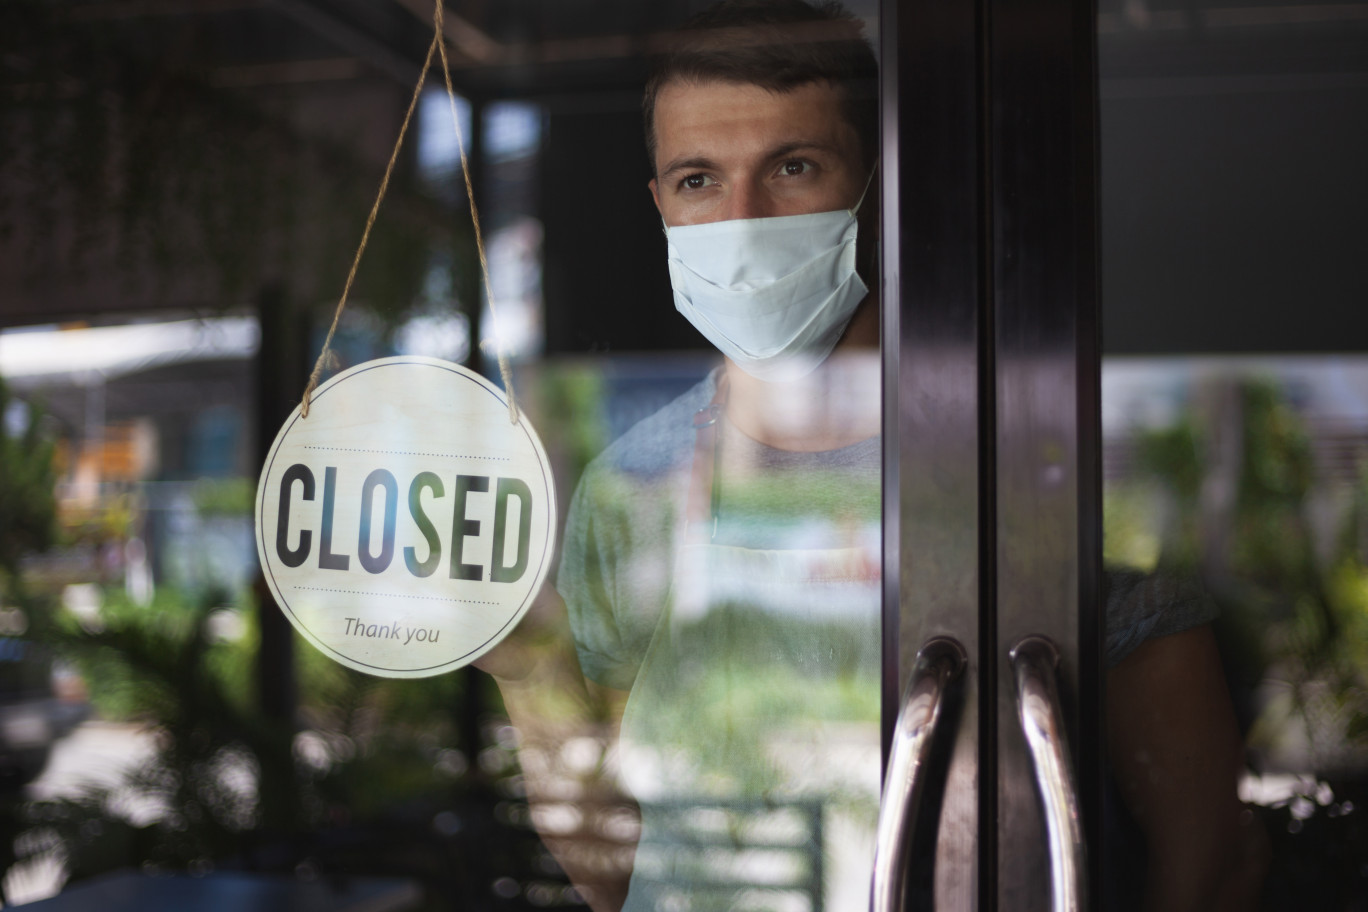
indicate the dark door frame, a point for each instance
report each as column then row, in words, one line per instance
column 991, row 394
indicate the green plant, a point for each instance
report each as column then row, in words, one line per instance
column 361, row 747
column 28, row 507
column 1286, row 612
column 224, row 496
column 160, row 665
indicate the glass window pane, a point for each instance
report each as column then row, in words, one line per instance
column 1235, row 420
column 690, row 703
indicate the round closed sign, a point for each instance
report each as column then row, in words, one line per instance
column 406, row 524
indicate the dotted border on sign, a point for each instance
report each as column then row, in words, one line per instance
column 431, row 598
column 406, row 453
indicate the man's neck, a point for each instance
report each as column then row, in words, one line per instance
column 836, row 405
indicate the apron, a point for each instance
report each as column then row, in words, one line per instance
column 751, row 734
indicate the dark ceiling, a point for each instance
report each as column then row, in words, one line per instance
column 497, row 48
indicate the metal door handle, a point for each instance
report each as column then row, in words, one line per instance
column 939, row 662
column 1034, row 660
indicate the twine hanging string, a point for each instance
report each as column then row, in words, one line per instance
column 504, row 371
column 326, row 357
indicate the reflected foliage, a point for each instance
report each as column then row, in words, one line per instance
column 571, row 414
column 381, row 783
column 28, row 506
column 161, row 666
column 1231, row 492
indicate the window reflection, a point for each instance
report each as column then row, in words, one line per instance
column 1249, row 473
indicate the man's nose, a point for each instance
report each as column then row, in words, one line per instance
column 748, row 200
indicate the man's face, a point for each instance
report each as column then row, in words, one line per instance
column 727, row 150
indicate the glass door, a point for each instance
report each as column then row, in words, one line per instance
column 1233, row 403
column 1128, row 313
column 991, row 479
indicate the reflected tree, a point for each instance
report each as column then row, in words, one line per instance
column 1238, row 476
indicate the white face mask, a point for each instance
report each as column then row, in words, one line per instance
column 773, row 294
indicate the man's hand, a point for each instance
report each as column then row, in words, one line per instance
column 552, row 706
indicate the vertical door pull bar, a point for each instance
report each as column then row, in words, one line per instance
column 939, row 662
column 1035, row 660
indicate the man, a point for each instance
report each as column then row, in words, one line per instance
column 721, row 559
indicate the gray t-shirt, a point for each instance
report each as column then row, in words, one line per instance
column 627, row 520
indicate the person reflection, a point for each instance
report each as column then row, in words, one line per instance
column 720, row 570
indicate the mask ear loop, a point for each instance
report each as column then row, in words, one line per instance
column 865, row 192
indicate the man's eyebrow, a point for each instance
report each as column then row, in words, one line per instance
column 695, row 163
column 783, row 150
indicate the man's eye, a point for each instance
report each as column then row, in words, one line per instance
column 696, row 182
column 795, row 167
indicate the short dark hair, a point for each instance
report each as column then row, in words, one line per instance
column 778, row 45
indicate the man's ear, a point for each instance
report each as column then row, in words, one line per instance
column 655, row 194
